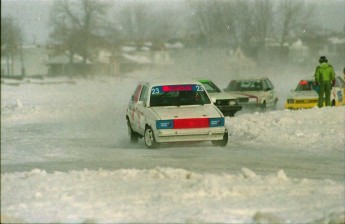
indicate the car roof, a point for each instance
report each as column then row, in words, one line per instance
column 171, row 82
column 204, row 80
column 307, row 79
column 249, row 79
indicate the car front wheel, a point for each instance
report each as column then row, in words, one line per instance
column 149, row 138
column 223, row 142
column 263, row 106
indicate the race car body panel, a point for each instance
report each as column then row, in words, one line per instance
column 175, row 112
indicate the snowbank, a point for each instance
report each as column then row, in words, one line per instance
column 165, row 195
column 309, row 129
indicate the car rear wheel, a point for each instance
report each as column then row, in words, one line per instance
column 149, row 138
column 275, row 104
column 133, row 136
column 223, row 142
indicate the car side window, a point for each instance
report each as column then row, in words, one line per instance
column 137, row 91
column 269, row 84
column 341, row 82
column 265, row 85
column 208, row 87
column 143, row 95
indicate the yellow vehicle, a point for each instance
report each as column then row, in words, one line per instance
column 306, row 94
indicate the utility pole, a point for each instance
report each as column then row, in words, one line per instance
column 11, row 47
column 22, row 60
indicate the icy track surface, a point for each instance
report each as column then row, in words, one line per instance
column 65, row 158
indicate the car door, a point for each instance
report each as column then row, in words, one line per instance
column 269, row 88
column 132, row 107
column 338, row 91
column 141, row 110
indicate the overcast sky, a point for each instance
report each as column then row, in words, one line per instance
column 32, row 16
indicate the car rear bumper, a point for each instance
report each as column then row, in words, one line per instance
column 296, row 106
column 194, row 134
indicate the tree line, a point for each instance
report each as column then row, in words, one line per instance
column 83, row 25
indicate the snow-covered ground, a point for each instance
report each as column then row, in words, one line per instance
column 262, row 176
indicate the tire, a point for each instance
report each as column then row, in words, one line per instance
column 223, row 142
column 275, row 104
column 133, row 136
column 263, row 106
column 149, row 138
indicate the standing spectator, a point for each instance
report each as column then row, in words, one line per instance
column 325, row 78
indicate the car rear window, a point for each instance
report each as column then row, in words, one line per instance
column 245, row 85
column 178, row 95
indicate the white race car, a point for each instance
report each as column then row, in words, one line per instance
column 174, row 112
column 225, row 102
column 260, row 91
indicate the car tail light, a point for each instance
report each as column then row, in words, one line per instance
column 190, row 123
column 303, row 82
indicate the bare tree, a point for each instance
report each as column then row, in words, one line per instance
column 214, row 20
column 135, row 21
column 76, row 23
column 11, row 39
column 263, row 20
column 294, row 15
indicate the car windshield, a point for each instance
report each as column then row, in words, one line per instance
column 211, row 87
column 305, row 85
column 341, row 82
column 244, row 85
column 178, row 95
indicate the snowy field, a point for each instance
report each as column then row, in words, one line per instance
column 65, row 158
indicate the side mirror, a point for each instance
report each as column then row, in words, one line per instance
column 213, row 100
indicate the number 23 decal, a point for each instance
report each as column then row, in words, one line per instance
column 199, row 88
column 155, row 91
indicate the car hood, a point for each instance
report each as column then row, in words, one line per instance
column 190, row 111
column 221, row 96
column 304, row 95
column 238, row 95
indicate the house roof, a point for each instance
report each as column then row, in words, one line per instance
column 336, row 40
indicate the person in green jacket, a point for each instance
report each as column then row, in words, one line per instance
column 325, row 78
